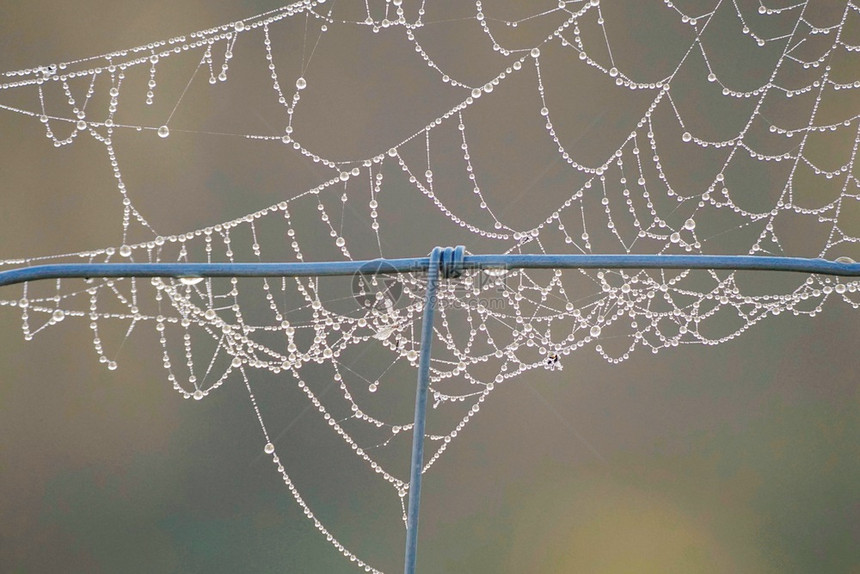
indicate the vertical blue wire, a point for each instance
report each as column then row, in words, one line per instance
column 421, row 414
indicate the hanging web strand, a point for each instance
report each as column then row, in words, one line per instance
column 712, row 161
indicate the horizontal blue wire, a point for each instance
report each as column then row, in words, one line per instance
column 421, row 264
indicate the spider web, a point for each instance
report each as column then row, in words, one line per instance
column 723, row 128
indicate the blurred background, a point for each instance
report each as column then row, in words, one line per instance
column 737, row 458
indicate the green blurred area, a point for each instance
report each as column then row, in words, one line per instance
column 737, row 458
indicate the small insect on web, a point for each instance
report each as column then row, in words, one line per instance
column 540, row 130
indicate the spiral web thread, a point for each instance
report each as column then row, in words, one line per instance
column 800, row 120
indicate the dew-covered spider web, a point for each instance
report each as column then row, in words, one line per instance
column 703, row 127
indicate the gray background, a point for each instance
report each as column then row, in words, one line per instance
column 741, row 457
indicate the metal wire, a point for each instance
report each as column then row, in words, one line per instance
column 422, row 264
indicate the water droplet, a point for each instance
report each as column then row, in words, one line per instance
column 495, row 271
column 190, row 280
column 412, row 354
column 198, row 395
column 209, row 314
column 269, row 448
column 535, row 52
column 81, row 125
column 239, row 26
column 595, row 331
column 690, row 224
column 340, row 242
column 125, row 251
column 163, row 132
column 383, row 333
column 58, row 315
column 844, row 259
column 301, row 84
